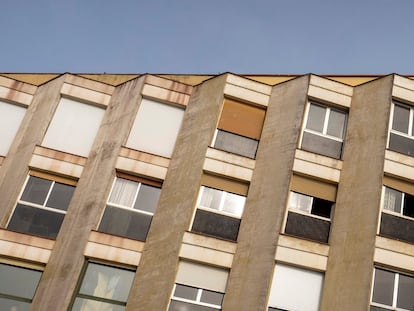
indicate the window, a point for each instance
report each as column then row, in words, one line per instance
column 130, row 208
column 155, row 128
column 392, row 291
column 239, row 128
column 73, row 127
column 41, row 207
column 198, row 288
column 295, row 289
column 324, row 130
column 17, row 287
column 103, row 288
column 398, row 202
column 402, row 129
column 218, row 213
column 10, row 118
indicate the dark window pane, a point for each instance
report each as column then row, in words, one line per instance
column 374, row 308
column 321, row 207
column 396, row 227
column 383, row 287
column 212, row 297
column 236, row 144
column 13, row 305
column 127, row 223
column 321, row 145
column 401, row 119
column 308, row 227
column 19, row 282
column 36, row 221
column 184, row 306
column 82, row 304
column 316, row 118
column 336, row 125
column 113, row 283
column 401, row 144
column 60, row 196
column 147, row 199
column 36, row 190
column 186, row 292
column 408, row 205
column 216, row 225
column 405, row 298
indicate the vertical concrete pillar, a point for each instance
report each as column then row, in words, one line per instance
column 62, row 272
column 352, row 241
column 253, row 264
column 34, row 125
column 156, row 272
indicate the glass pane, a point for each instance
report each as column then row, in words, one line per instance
column 147, row 199
column 210, row 197
column 36, row 190
column 322, row 145
column 408, row 205
column 82, row 304
column 13, row 305
column 405, row 298
column 234, row 204
column 36, row 221
column 16, row 281
column 321, row 207
column 186, row 292
column 123, row 192
column 107, row 282
column 316, row 118
column 60, row 196
column 185, row 306
column 213, row 298
column 300, row 202
column 383, row 287
column 392, row 200
column 401, row 119
column 336, row 124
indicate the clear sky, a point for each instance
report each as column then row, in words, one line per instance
column 208, row 36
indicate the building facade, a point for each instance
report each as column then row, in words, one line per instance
column 226, row 192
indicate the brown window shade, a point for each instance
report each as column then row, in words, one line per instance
column 399, row 184
column 56, row 178
column 313, row 187
column 146, row 181
column 225, row 184
column 242, row 119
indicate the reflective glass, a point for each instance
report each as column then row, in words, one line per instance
column 316, row 118
column 383, row 287
column 186, row 292
column 336, row 123
column 123, row 192
column 401, row 119
column 184, row 306
column 36, row 190
column 13, row 305
column 107, row 282
column 392, row 200
column 211, row 198
column 211, row 297
column 147, row 199
column 234, row 204
column 82, row 304
column 16, row 281
column 405, row 298
column 60, row 196
column 300, row 202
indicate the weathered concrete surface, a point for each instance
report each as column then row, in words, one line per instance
column 63, row 270
column 155, row 277
column 350, row 264
column 15, row 167
column 253, row 264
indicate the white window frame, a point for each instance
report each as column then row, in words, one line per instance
column 395, row 292
column 400, row 214
column 410, row 134
column 198, row 298
column 309, row 212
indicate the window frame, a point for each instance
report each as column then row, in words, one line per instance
column 402, row 206
column 410, row 130
column 309, row 213
column 198, row 297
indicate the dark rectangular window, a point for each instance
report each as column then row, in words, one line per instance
column 402, row 129
column 195, row 299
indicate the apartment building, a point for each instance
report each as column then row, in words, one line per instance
column 196, row 192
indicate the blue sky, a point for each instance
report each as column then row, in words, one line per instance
column 210, row 36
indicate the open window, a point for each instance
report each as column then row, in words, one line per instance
column 130, row 207
column 324, row 130
column 239, row 128
column 401, row 137
column 42, row 205
column 219, row 208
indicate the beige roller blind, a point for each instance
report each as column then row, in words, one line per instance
column 313, row 187
column 202, row 276
column 225, row 184
column 399, row 184
column 241, row 119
